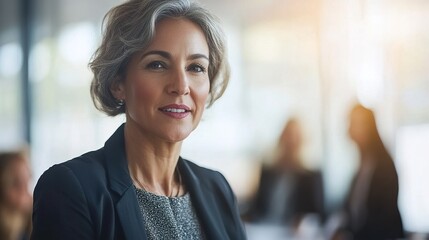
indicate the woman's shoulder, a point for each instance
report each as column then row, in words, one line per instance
column 84, row 170
column 88, row 162
column 69, row 196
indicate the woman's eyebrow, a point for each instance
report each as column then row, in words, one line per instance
column 163, row 54
column 198, row 55
column 167, row 55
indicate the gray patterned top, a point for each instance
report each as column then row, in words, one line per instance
column 169, row 217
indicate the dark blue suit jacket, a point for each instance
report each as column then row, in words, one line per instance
column 91, row 197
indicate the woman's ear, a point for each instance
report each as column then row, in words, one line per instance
column 118, row 88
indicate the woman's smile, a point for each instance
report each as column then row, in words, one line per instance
column 177, row 111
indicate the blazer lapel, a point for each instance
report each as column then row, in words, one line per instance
column 129, row 214
column 127, row 207
column 203, row 202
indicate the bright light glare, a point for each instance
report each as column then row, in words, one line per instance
column 10, row 59
column 76, row 42
column 413, row 168
column 370, row 84
column 40, row 61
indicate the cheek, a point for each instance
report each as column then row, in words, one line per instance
column 139, row 94
column 202, row 93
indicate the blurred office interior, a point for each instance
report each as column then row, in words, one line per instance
column 308, row 58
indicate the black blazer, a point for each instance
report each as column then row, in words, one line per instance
column 91, row 197
column 306, row 195
column 381, row 216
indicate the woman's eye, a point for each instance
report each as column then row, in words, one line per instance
column 155, row 65
column 197, row 68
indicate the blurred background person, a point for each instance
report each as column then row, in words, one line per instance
column 287, row 189
column 15, row 198
column 371, row 206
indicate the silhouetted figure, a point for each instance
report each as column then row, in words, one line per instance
column 15, row 198
column 287, row 190
column 371, row 205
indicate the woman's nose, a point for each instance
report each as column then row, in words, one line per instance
column 179, row 83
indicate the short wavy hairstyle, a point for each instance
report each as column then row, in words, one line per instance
column 130, row 28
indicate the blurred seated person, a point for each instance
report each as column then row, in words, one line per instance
column 287, row 190
column 371, row 209
column 15, row 198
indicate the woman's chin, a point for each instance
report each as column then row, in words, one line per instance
column 177, row 137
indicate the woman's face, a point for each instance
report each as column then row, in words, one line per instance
column 358, row 129
column 17, row 178
column 290, row 139
column 166, row 85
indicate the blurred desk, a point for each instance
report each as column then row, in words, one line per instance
column 309, row 228
column 267, row 232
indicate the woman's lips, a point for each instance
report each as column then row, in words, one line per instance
column 177, row 111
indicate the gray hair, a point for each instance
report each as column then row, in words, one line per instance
column 130, row 27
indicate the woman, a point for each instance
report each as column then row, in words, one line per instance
column 160, row 63
column 15, row 199
column 372, row 203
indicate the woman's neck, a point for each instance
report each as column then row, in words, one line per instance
column 152, row 162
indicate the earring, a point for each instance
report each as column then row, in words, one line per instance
column 121, row 103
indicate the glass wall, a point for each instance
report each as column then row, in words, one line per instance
column 11, row 113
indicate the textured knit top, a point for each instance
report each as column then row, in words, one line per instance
column 169, row 217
